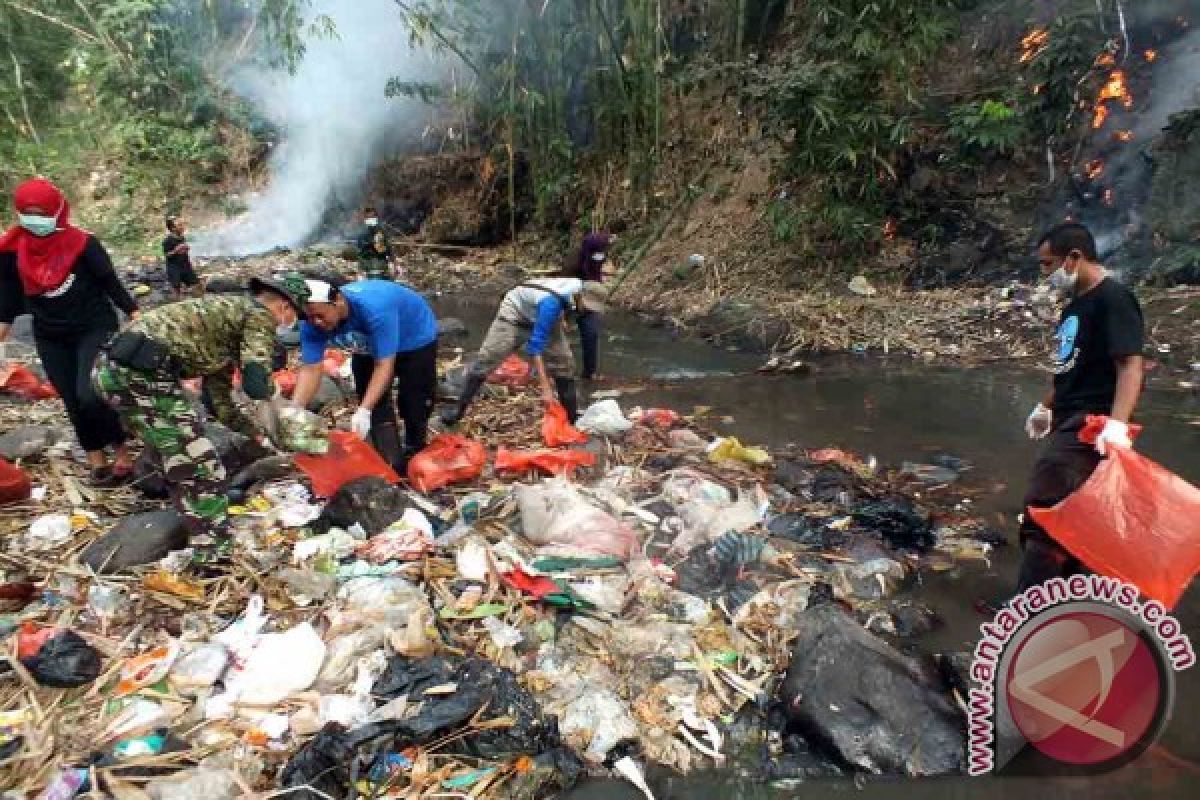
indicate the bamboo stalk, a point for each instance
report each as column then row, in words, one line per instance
column 24, row 102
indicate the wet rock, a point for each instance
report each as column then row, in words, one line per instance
column 370, row 502
column 27, row 441
column 135, row 540
column 914, row 619
column 884, row 715
column 452, row 326
column 224, row 286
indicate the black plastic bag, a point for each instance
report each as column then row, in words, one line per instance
column 65, row 661
column 371, row 502
column 897, row 521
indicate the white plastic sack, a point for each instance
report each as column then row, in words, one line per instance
column 554, row 514
column 200, row 667
column 707, row 509
column 275, row 666
column 342, row 655
column 603, row 419
column 596, row 722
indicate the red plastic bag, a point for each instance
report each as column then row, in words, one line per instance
column 514, row 371
column 19, row 380
column 551, row 462
column 557, row 431
column 655, row 417
column 1132, row 520
column 332, row 362
column 285, row 379
column 448, row 459
column 15, row 486
column 349, row 458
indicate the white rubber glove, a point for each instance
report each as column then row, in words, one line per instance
column 1115, row 434
column 360, row 423
column 1038, row 424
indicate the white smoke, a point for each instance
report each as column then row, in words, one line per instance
column 334, row 120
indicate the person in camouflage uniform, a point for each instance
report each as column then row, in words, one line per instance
column 206, row 338
column 374, row 249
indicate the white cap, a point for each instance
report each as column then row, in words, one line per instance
column 319, row 291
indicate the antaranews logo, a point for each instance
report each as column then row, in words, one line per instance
column 1079, row 670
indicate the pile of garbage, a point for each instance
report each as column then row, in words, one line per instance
column 518, row 614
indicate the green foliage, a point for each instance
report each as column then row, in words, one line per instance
column 987, row 127
column 131, row 83
column 1056, row 70
column 784, row 220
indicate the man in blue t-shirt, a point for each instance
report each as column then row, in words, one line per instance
column 391, row 332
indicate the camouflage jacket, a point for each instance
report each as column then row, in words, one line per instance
column 210, row 336
column 373, row 244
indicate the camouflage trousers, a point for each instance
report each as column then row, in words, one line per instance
column 154, row 408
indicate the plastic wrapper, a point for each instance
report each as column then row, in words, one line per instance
column 549, row 462
column 347, row 459
column 15, row 486
column 554, row 513
column 147, row 669
column 342, row 655
column 603, row 419
column 730, row 449
column 596, row 722
column 654, row 417
column 20, row 380
column 557, row 430
column 448, row 459
column 200, row 667
column 707, row 509
column 1132, row 520
column 513, row 371
column 49, row 531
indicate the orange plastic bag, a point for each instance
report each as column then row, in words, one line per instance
column 557, row 431
column 285, row 379
column 1132, row 520
column 513, row 371
column 448, row 459
column 551, row 462
column 15, row 486
column 349, row 458
column 332, row 362
column 19, row 380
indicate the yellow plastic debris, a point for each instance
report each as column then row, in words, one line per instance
column 731, row 449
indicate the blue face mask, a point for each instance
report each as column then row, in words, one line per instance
column 38, row 225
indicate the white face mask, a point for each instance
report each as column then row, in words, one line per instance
column 371, row 222
column 1064, row 282
column 37, row 224
column 599, row 257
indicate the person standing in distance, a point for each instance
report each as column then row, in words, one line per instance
column 181, row 276
column 1098, row 369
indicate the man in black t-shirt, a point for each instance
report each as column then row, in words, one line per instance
column 1098, row 369
column 180, row 274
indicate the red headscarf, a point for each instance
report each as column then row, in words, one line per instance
column 44, row 262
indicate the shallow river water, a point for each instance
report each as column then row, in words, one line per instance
column 901, row 411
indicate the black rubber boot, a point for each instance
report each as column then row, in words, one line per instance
column 471, row 387
column 385, row 439
column 566, row 395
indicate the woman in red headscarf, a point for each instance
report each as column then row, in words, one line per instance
column 63, row 276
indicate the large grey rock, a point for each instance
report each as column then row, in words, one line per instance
column 135, row 540
column 452, row 326
column 27, row 441
column 863, row 702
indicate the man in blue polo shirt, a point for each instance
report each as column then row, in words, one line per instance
column 391, row 333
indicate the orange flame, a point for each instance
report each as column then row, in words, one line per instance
column 1033, row 44
column 1106, row 59
column 1151, row 56
column 1114, row 88
column 1100, row 117
column 1123, row 136
column 1094, row 169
